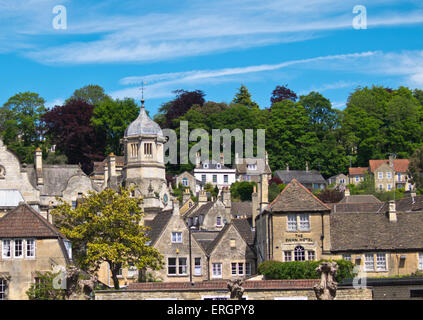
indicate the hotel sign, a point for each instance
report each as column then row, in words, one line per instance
column 298, row 237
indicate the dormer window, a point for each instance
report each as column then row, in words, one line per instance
column 2, row 172
column 218, row 166
column 252, row 167
column 205, row 165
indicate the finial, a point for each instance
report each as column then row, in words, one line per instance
column 142, row 93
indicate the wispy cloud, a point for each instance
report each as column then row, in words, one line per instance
column 127, row 33
column 162, row 85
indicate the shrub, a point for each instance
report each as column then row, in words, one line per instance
column 303, row 269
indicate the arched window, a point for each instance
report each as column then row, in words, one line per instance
column 299, row 254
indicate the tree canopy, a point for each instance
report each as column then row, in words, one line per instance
column 107, row 227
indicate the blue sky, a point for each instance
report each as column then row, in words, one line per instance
column 214, row 46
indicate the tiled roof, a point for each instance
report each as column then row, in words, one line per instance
column 223, row 285
column 205, row 238
column 157, row 225
column 360, row 198
column 296, row 197
column 400, row 165
column 241, row 167
column 244, row 229
column 23, row 221
column 304, row 177
column 357, row 207
column 243, row 208
column 202, row 210
column 357, row 170
column 373, row 231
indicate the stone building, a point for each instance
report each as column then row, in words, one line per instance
column 294, row 227
column 311, row 179
column 252, row 169
column 214, row 172
column 28, row 243
column 356, row 175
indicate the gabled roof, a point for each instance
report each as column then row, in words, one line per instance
column 205, row 238
column 357, row 170
column 243, row 228
column 400, row 165
column 25, row 222
column 202, row 210
column 157, row 225
column 243, row 208
column 262, row 167
column 311, row 176
column 296, row 198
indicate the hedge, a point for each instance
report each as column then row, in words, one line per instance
column 303, row 269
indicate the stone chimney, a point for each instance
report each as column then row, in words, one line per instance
column 267, row 158
column 306, row 166
column 186, row 196
column 175, row 211
column 392, row 211
column 197, row 160
column 112, row 165
column 264, row 192
column 202, row 197
column 287, row 166
column 38, row 161
column 226, row 199
column 254, row 206
column 236, row 158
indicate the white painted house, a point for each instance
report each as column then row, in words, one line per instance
column 214, row 172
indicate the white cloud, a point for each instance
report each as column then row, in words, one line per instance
column 136, row 35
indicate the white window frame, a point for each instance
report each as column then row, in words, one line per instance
column 216, row 270
column 172, row 266
column 198, row 270
column 132, row 271
column 182, row 268
column 31, row 248
column 234, row 268
column 176, row 237
column 357, row 179
column 287, row 256
column 304, row 221
column 388, row 175
column 420, row 261
column 389, row 187
column 241, row 269
column 381, row 262
column 380, row 175
column 219, row 221
column 369, row 259
column 311, row 254
column 3, row 247
column 15, row 247
column 214, row 178
column 347, row 257
column 292, row 223
column 185, row 182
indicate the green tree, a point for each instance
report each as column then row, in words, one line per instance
column 243, row 97
column 21, row 129
column 106, row 227
column 242, row 190
column 111, row 118
column 92, row 94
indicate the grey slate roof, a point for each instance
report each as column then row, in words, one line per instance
column 205, row 238
column 241, row 209
column 202, row 210
column 244, row 229
column 373, row 231
column 242, row 166
column 304, row 177
column 296, row 198
column 360, row 198
column 55, row 178
column 143, row 125
column 157, row 225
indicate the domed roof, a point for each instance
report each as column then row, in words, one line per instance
column 143, row 125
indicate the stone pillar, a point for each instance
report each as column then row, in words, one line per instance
column 186, row 196
column 112, row 165
column 392, row 211
column 202, row 197
column 264, row 192
column 175, row 211
column 226, row 199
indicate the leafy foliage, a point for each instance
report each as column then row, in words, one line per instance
column 91, row 94
column 70, row 128
column 330, row 195
column 242, row 190
column 416, row 169
column 302, row 269
column 43, row 288
column 106, row 227
column 283, row 93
